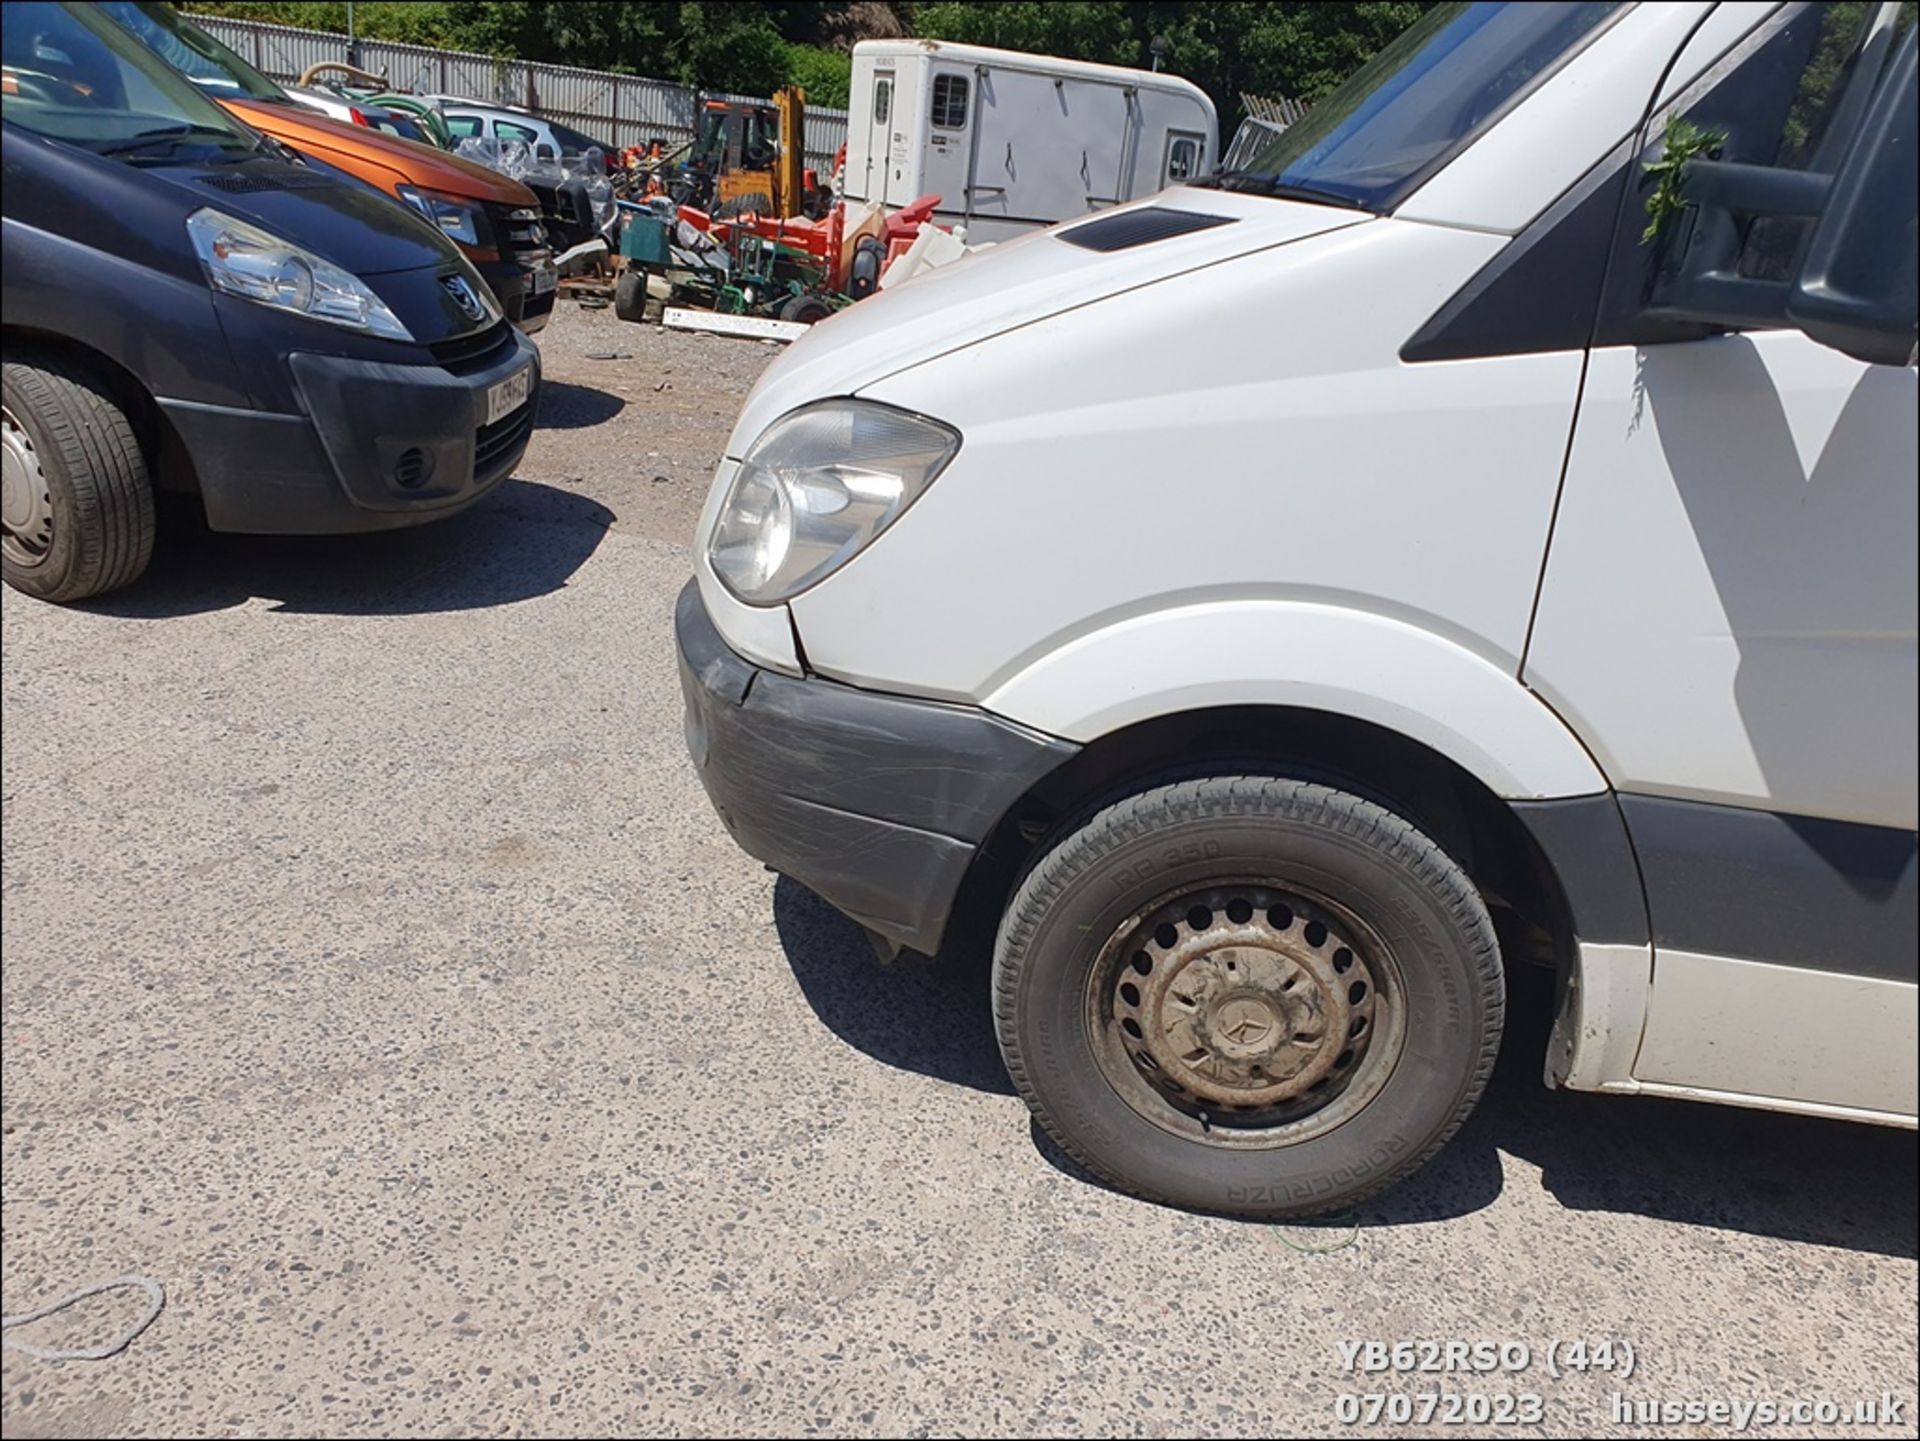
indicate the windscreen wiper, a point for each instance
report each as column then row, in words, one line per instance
column 1261, row 182
column 1308, row 192
column 169, row 135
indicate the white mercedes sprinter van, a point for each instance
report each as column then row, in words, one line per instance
column 1499, row 496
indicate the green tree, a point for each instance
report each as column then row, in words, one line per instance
column 727, row 47
column 826, row 75
column 1079, row 29
column 713, row 44
column 1227, row 47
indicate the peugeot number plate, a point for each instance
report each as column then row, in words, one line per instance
column 508, row 395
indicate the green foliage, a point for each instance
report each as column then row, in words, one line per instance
column 707, row 43
column 1093, row 30
column 826, row 75
column 1840, row 25
column 1684, row 141
column 726, row 47
column 1225, row 46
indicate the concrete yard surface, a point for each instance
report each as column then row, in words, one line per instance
column 378, row 979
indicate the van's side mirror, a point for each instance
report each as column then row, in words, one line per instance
column 1855, row 289
column 1859, row 288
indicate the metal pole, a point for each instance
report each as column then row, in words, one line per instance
column 353, row 42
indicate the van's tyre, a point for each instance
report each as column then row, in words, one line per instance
column 1250, row 995
column 630, row 295
column 78, row 499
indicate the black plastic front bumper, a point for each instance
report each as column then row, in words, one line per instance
column 876, row 802
column 380, row 445
column 515, row 287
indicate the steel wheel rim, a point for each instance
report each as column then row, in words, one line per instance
column 26, row 498
column 1246, row 1014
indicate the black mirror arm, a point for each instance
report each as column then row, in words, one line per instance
column 1707, row 288
column 1755, row 189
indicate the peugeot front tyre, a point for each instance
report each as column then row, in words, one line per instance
column 1250, row 995
column 78, row 504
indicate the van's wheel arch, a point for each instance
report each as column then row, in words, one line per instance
column 79, row 501
column 1319, row 1006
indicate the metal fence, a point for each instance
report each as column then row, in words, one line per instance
column 626, row 109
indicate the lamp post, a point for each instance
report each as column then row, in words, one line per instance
column 1158, row 45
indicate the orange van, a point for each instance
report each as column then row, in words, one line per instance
column 494, row 219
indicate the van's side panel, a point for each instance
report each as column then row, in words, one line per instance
column 1762, row 486
column 1713, row 1023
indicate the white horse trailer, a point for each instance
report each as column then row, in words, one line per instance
column 1011, row 141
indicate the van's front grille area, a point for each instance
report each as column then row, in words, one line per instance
column 523, row 239
column 465, row 354
column 497, row 443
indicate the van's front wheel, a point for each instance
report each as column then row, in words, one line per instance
column 1248, row 994
column 78, row 505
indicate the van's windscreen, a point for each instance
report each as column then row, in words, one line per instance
column 68, row 72
column 191, row 51
column 1413, row 106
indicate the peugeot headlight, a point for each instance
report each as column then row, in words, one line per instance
column 245, row 260
column 815, row 490
column 453, row 217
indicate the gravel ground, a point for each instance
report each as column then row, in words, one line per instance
column 657, row 405
column 378, row 979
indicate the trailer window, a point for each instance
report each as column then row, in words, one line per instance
column 882, row 99
column 950, row 102
column 1183, row 158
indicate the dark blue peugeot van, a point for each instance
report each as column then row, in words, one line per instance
column 189, row 306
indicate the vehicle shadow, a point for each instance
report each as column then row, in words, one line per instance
column 523, row 540
column 930, row 1017
column 575, row 407
column 1796, row 1178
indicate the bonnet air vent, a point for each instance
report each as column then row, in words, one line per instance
column 1138, row 227
column 248, row 184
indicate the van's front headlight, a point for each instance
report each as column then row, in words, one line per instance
column 815, row 490
column 245, row 260
column 457, row 219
